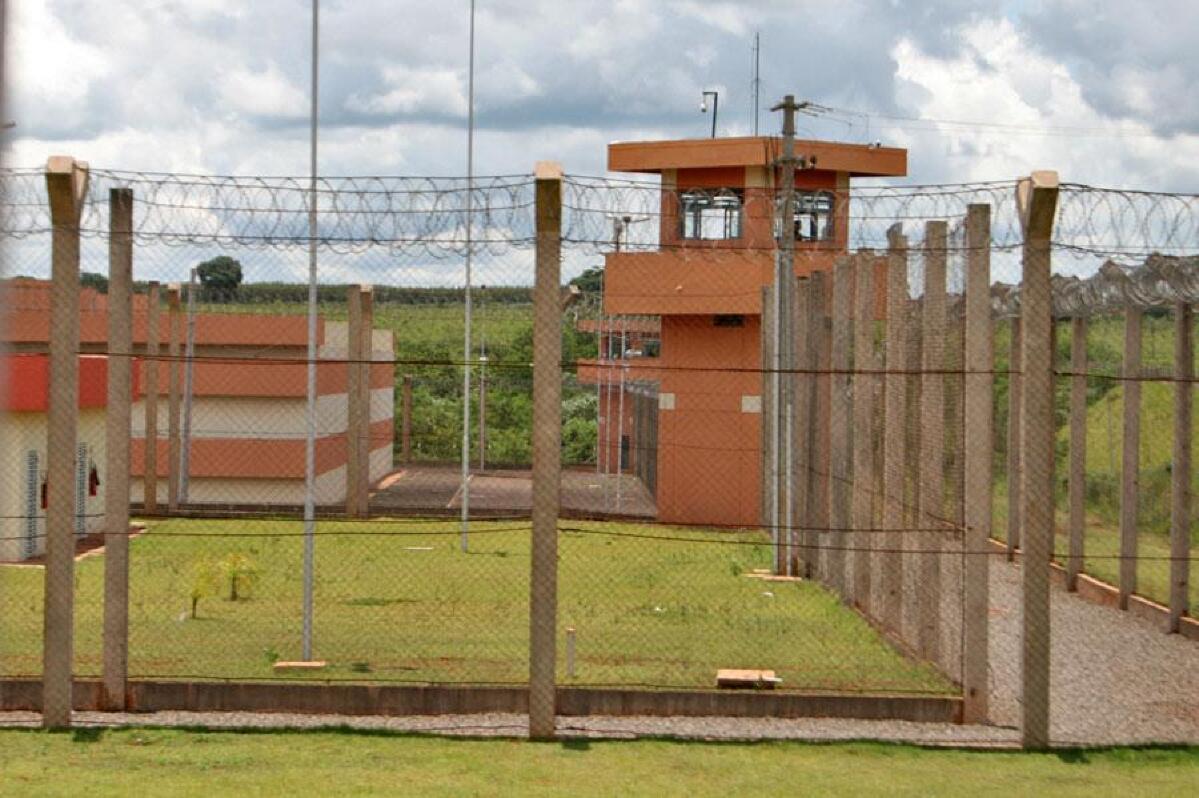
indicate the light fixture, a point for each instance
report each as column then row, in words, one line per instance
column 703, row 107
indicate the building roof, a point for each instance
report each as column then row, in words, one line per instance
column 858, row 160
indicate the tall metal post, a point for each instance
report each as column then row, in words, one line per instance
column 310, row 436
column 470, row 175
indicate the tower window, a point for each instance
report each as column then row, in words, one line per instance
column 711, row 215
column 813, row 219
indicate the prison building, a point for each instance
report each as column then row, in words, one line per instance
column 718, row 223
column 248, row 409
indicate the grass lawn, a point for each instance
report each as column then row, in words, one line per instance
column 409, row 606
column 176, row 762
column 1101, row 547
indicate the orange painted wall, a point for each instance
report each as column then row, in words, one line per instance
column 708, row 449
column 255, row 458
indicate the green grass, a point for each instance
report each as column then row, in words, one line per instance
column 194, row 762
column 412, row 607
column 1101, row 545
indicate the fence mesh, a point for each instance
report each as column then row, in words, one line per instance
column 756, row 477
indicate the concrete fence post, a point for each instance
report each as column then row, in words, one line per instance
column 840, row 456
column 865, row 363
column 1180, row 501
column 547, row 436
column 978, row 429
column 406, row 424
column 354, row 427
column 1130, row 468
column 1078, row 450
column 66, row 184
column 800, row 435
column 366, row 349
column 1037, row 202
column 890, row 566
column 1014, row 466
column 931, row 490
column 150, row 429
column 174, row 441
column 117, row 431
column 821, row 469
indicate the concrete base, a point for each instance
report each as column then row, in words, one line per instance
column 341, row 699
column 1100, row 592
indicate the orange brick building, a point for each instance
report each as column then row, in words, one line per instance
column 248, row 410
column 717, row 251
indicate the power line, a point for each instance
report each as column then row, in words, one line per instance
column 1030, row 129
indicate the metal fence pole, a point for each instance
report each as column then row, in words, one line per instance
column 66, row 184
column 1037, row 200
column 978, row 431
column 116, row 443
column 547, row 438
column 1180, row 505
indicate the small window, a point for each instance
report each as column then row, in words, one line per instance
column 813, row 216
column 729, row 320
column 711, row 215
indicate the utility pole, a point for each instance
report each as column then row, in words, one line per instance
column 784, row 328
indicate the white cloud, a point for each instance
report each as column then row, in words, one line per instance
column 266, row 92
column 413, row 91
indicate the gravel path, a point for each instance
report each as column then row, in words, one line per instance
column 1115, row 680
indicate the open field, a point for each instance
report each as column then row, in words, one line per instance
column 398, row 601
column 191, row 762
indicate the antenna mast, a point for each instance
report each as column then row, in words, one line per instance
column 757, row 81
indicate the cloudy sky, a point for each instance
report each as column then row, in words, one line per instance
column 1099, row 90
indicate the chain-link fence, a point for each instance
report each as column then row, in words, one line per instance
column 827, row 486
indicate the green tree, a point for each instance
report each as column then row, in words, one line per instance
column 220, row 277
column 204, row 583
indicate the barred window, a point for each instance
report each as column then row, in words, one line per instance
column 813, row 219
column 711, row 215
